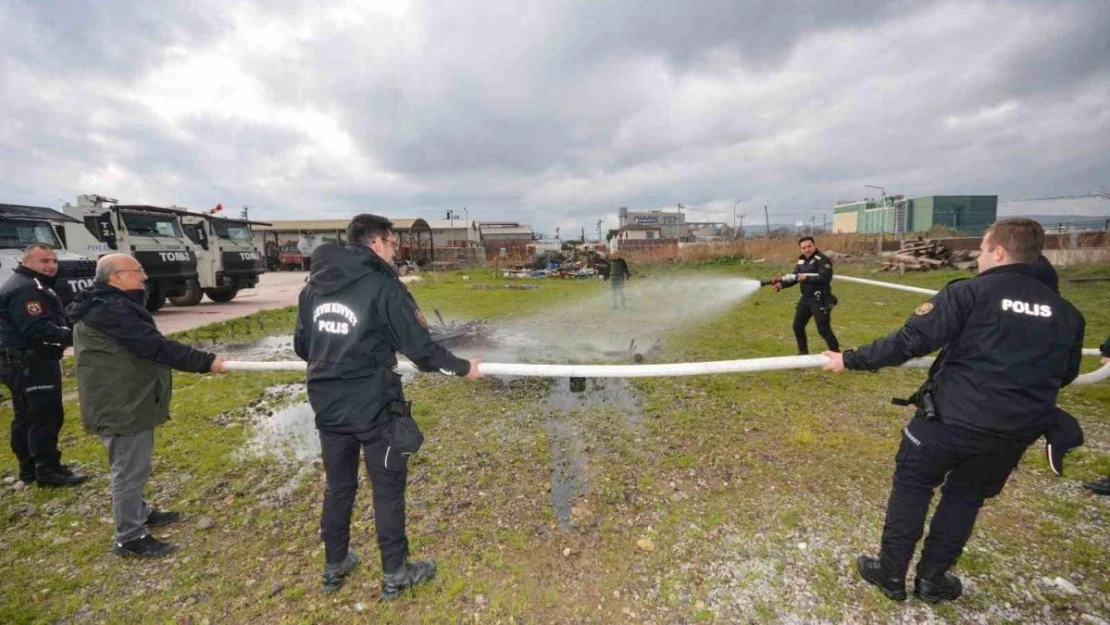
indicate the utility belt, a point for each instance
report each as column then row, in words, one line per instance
column 826, row 301
column 26, row 357
column 15, row 355
column 924, row 398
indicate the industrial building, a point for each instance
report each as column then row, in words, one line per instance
column 455, row 233
column 963, row 214
column 289, row 243
column 670, row 225
column 640, row 233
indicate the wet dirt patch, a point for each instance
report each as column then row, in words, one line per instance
column 269, row 348
column 573, row 434
column 283, row 425
column 598, row 394
column 568, row 468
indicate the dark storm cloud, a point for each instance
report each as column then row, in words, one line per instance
column 555, row 112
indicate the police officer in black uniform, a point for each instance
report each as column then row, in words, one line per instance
column 1009, row 344
column 817, row 300
column 353, row 317
column 33, row 336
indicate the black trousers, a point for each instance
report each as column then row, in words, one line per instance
column 35, row 383
column 973, row 466
column 341, row 460
column 802, row 313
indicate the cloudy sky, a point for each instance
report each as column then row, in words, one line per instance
column 552, row 112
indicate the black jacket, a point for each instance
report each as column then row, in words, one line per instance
column 121, row 316
column 618, row 271
column 353, row 316
column 1010, row 343
column 1105, row 349
column 814, row 288
column 31, row 314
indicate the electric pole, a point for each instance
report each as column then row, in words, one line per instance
column 767, row 216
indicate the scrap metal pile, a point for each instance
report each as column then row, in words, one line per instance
column 574, row 269
column 460, row 333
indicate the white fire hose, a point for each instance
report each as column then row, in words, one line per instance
column 746, row 365
column 889, row 285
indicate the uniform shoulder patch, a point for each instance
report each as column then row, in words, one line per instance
column 924, row 309
column 33, row 307
column 420, row 319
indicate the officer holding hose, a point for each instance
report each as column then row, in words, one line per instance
column 353, row 317
column 814, row 272
column 1009, row 344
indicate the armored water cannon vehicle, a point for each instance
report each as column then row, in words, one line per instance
column 228, row 260
column 152, row 235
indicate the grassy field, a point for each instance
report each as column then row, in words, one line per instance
column 716, row 499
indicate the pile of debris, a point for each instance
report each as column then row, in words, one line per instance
column 456, row 334
column 927, row 254
column 571, row 269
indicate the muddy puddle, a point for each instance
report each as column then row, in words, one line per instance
column 284, row 425
column 568, row 410
column 598, row 393
column 269, row 348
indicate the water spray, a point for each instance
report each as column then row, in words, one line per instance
column 579, row 373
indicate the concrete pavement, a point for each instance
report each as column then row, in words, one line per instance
column 275, row 290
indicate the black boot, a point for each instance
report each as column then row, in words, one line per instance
column 410, row 574
column 335, row 574
column 1099, row 487
column 873, row 572
column 51, row 475
column 934, row 585
column 145, row 547
column 27, row 471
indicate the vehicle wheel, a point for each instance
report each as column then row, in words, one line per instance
column 192, row 295
column 221, row 295
column 155, row 298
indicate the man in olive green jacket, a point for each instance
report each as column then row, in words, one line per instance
column 125, row 382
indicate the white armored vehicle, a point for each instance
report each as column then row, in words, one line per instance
column 151, row 234
column 227, row 259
